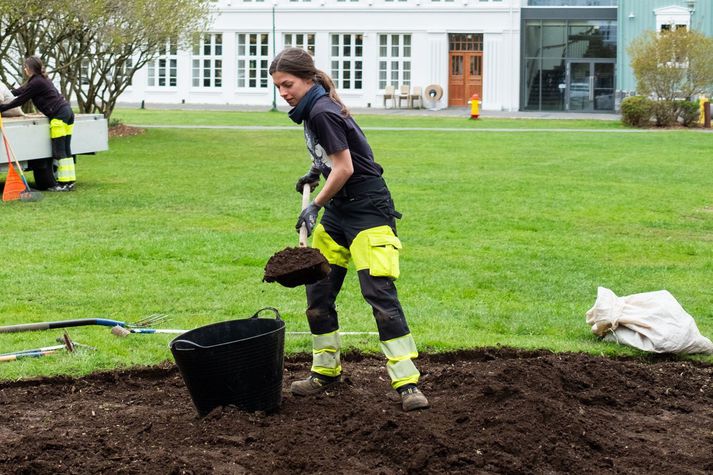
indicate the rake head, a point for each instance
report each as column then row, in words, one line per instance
column 31, row 195
column 148, row 321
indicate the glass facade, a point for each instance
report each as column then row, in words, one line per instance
column 561, row 57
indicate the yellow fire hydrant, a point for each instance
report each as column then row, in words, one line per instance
column 702, row 101
column 474, row 106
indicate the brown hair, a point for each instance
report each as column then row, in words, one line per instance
column 299, row 62
column 35, row 66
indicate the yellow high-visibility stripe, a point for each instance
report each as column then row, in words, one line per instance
column 399, row 348
column 333, row 252
column 402, row 373
column 400, row 353
column 65, row 170
column 326, row 355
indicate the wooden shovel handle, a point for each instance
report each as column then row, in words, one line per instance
column 305, row 201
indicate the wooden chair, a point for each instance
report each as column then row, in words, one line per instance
column 415, row 96
column 389, row 93
column 404, row 95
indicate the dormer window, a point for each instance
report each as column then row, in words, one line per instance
column 672, row 18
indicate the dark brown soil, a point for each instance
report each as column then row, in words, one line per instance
column 295, row 266
column 493, row 411
column 121, row 130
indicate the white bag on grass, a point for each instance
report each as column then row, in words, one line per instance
column 651, row 321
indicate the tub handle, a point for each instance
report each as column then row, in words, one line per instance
column 272, row 309
column 175, row 343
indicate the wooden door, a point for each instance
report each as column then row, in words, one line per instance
column 456, row 79
column 465, row 76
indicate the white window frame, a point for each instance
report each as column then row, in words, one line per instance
column 306, row 41
column 253, row 60
column 128, row 65
column 346, row 56
column 672, row 17
column 164, row 67
column 207, row 57
column 394, row 59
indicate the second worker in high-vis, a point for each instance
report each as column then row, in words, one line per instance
column 358, row 223
column 47, row 99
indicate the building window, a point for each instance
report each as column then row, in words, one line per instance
column 253, row 60
column 465, row 42
column 346, row 60
column 163, row 70
column 553, row 47
column 208, row 60
column 591, row 39
column 125, row 70
column 300, row 40
column 394, row 60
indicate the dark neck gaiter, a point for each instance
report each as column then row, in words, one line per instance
column 302, row 110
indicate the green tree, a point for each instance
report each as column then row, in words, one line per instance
column 94, row 47
column 672, row 64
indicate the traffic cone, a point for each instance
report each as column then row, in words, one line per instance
column 14, row 186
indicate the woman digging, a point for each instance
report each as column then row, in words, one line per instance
column 359, row 223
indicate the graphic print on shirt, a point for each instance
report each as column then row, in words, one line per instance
column 320, row 159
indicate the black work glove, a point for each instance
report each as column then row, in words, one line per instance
column 311, row 179
column 308, row 217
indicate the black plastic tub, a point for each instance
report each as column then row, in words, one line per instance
column 238, row 362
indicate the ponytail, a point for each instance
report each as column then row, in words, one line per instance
column 323, row 78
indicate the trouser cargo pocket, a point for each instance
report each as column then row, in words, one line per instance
column 384, row 256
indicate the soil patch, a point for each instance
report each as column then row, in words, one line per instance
column 493, row 411
column 295, row 266
column 121, row 130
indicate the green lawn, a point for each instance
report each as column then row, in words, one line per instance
column 506, row 235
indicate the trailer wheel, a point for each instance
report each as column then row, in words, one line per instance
column 45, row 172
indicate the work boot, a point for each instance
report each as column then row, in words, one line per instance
column 312, row 385
column 412, row 399
column 59, row 188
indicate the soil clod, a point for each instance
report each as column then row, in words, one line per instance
column 295, row 266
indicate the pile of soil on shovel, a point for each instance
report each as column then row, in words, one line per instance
column 296, row 265
column 493, row 411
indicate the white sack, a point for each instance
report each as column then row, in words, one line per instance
column 651, row 321
column 5, row 97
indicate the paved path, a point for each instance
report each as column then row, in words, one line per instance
column 414, row 129
column 463, row 112
column 446, row 112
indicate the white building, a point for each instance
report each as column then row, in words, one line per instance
column 463, row 46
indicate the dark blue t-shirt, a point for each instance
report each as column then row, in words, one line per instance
column 327, row 132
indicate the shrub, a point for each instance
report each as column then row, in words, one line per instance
column 689, row 112
column 636, row 111
column 665, row 113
